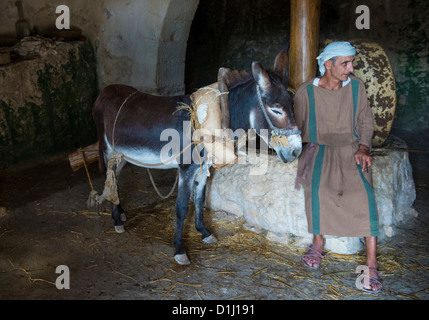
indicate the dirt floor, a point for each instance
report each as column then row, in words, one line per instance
column 44, row 223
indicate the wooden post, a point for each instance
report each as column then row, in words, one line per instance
column 304, row 41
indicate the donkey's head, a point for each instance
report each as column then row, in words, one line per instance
column 275, row 111
column 260, row 102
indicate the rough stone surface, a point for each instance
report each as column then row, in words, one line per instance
column 46, row 98
column 269, row 203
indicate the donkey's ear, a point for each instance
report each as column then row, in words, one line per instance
column 281, row 64
column 260, row 75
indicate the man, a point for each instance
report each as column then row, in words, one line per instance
column 334, row 168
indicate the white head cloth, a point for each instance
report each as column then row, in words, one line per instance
column 334, row 49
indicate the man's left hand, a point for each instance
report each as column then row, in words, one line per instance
column 362, row 157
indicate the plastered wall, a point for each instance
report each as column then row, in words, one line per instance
column 137, row 42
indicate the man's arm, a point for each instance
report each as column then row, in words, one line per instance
column 301, row 111
column 365, row 127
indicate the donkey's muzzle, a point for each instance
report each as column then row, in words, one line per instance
column 290, row 152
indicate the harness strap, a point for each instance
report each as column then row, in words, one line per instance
column 277, row 131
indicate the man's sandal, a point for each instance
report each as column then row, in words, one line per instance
column 313, row 255
column 373, row 281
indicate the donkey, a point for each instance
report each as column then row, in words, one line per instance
column 131, row 122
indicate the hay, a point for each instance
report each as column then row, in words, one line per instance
column 281, row 269
column 124, row 275
column 291, row 287
column 30, row 278
column 180, row 283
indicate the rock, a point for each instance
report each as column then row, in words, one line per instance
column 262, row 192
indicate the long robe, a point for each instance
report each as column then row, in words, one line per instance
column 339, row 198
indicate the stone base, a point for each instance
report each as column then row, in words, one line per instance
column 262, row 192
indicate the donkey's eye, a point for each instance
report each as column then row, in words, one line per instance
column 277, row 110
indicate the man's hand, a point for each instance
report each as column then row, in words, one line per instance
column 363, row 157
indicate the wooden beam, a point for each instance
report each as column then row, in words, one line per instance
column 304, row 41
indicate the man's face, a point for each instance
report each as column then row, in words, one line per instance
column 341, row 69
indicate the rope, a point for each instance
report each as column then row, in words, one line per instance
column 156, row 189
column 159, row 163
column 116, row 118
column 217, row 92
column 133, row 160
column 192, row 109
column 278, row 135
column 110, row 191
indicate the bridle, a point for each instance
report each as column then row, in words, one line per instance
column 275, row 130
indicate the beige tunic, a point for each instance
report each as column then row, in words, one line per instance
column 339, row 199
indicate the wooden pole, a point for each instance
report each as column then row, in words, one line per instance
column 304, row 41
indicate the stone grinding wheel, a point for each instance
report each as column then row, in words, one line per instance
column 372, row 66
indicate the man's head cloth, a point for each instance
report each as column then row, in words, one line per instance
column 334, row 49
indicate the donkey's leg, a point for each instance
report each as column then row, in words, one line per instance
column 118, row 213
column 199, row 198
column 182, row 204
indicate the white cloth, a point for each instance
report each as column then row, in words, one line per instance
column 316, row 82
column 334, row 49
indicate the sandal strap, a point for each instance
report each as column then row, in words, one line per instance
column 379, row 274
column 313, row 253
column 373, row 280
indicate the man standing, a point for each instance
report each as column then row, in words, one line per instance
column 336, row 121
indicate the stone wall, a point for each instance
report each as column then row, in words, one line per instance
column 46, row 101
column 269, row 203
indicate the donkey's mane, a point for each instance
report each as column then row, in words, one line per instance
column 234, row 78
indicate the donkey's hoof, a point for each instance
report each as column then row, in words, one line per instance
column 210, row 239
column 120, row 229
column 123, row 217
column 182, row 259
